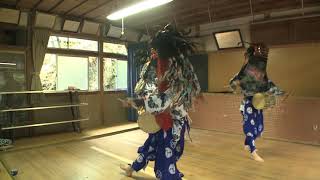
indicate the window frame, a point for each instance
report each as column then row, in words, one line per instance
column 15, row 50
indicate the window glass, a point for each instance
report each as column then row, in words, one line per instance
column 59, row 72
column 115, row 74
column 115, row 48
column 72, row 71
column 72, row 43
column 12, row 71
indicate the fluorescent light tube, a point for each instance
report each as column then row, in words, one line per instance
column 8, row 64
column 136, row 8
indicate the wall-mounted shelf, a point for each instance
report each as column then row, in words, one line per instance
column 42, row 107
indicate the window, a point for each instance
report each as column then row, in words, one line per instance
column 12, row 71
column 65, row 68
column 72, row 43
column 228, row 39
column 115, row 48
column 115, row 74
column 60, row 71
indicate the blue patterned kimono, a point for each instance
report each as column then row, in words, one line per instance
column 164, row 147
column 252, row 122
column 253, row 79
column 168, row 69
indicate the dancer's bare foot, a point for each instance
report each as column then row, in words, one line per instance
column 127, row 169
column 256, row 157
column 247, row 148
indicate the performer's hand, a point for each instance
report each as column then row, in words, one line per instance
column 235, row 87
column 285, row 96
column 126, row 103
column 270, row 93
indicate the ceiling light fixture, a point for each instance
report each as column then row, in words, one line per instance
column 136, row 8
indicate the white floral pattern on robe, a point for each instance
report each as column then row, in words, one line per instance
column 158, row 103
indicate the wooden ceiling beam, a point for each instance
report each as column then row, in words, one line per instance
column 195, row 22
column 37, row 4
column 163, row 15
column 191, row 16
column 189, row 13
column 195, row 19
column 193, row 6
column 191, row 10
column 17, row 3
column 308, row 3
column 96, row 7
column 272, row 5
column 75, row 7
column 55, row 6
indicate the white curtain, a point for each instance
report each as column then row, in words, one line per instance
column 40, row 40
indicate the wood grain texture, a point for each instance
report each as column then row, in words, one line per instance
column 291, row 67
column 211, row 155
column 185, row 12
column 53, row 139
column 294, row 120
column 4, row 175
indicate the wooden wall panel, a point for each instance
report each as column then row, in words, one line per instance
column 294, row 68
column 271, row 33
column 51, row 115
column 286, row 32
column 222, row 66
column 307, row 30
column 295, row 120
column 113, row 111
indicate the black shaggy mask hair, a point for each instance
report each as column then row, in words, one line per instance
column 169, row 42
column 258, row 50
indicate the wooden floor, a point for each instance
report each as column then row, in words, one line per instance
column 52, row 139
column 211, row 155
column 4, row 174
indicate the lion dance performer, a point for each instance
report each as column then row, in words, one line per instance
column 167, row 88
column 253, row 79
